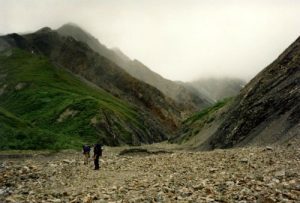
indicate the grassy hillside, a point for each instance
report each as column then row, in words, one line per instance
column 19, row 134
column 199, row 121
column 54, row 109
column 206, row 114
column 79, row 59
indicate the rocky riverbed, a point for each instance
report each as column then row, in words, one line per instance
column 267, row 174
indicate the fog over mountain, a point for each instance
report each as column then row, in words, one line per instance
column 180, row 40
column 218, row 88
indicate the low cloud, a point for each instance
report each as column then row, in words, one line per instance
column 181, row 40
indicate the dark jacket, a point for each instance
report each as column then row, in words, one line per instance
column 98, row 150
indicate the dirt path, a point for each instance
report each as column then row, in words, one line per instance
column 236, row 175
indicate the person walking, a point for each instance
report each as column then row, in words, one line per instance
column 86, row 149
column 97, row 154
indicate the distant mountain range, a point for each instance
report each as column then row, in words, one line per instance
column 187, row 100
column 266, row 111
column 188, row 96
column 218, row 88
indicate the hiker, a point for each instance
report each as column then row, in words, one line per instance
column 86, row 153
column 97, row 154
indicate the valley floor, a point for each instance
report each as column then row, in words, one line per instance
column 269, row 174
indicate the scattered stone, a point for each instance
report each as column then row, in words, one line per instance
column 55, row 200
column 52, row 165
column 198, row 187
column 67, row 161
column 3, row 191
column 88, row 199
column 142, row 151
column 26, row 168
column 265, row 200
column 280, row 174
column 10, row 199
column 212, row 170
column 229, row 183
column 269, row 148
column 244, row 160
column 215, row 176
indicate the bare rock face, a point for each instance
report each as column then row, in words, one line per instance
column 67, row 113
column 267, row 109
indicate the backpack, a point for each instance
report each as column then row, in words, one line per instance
column 86, row 149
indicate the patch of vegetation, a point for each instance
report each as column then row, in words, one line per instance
column 194, row 124
column 18, row 134
column 37, row 94
column 206, row 113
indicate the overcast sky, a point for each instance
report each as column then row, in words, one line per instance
column 181, row 40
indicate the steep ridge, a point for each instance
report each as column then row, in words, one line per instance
column 218, row 88
column 265, row 112
column 44, row 103
column 187, row 100
column 81, row 60
column 43, row 106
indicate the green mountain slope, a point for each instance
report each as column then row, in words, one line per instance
column 19, row 134
column 79, row 59
column 45, row 102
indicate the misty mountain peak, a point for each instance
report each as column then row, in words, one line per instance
column 73, row 29
column 187, row 99
column 78, row 33
column 71, row 24
column 121, row 54
column 45, row 29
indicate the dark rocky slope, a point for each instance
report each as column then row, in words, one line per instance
column 185, row 98
column 266, row 111
column 268, row 108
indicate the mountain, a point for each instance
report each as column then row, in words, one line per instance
column 218, row 88
column 45, row 106
column 120, row 54
column 265, row 112
column 60, row 86
column 199, row 127
column 83, row 61
column 187, row 100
